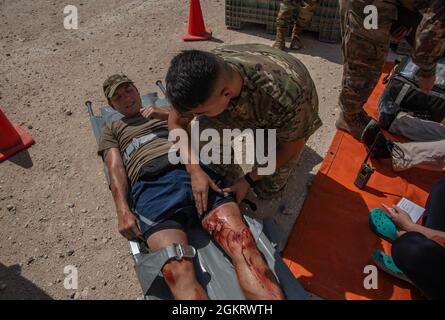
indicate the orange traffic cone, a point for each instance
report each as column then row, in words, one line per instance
column 197, row 30
column 12, row 140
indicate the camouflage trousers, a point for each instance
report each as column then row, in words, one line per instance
column 270, row 186
column 364, row 51
column 298, row 11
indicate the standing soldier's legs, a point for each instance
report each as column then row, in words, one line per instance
column 364, row 54
column 284, row 20
column 305, row 13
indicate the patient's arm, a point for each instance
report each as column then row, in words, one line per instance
column 119, row 188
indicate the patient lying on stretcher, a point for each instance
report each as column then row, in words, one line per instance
column 135, row 150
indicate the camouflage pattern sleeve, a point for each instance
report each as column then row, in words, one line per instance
column 299, row 119
column 430, row 38
column 278, row 92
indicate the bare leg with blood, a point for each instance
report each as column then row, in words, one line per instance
column 257, row 281
column 179, row 275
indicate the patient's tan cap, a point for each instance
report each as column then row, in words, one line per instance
column 110, row 85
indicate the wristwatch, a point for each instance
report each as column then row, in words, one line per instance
column 249, row 180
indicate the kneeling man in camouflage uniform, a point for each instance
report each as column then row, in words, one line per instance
column 249, row 86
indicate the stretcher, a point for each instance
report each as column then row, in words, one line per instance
column 214, row 269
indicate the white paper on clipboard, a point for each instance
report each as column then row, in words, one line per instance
column 414, row 210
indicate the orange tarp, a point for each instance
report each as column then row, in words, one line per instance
column 331, row 242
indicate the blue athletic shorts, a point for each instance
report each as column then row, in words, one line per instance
column 158, row 199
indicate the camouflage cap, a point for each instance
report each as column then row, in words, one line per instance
column 110, row 85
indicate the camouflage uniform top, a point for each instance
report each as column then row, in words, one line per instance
column 277, row 93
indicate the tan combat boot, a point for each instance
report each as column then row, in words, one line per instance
column 354, row 123
column 280, row 41
column 296, row 43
